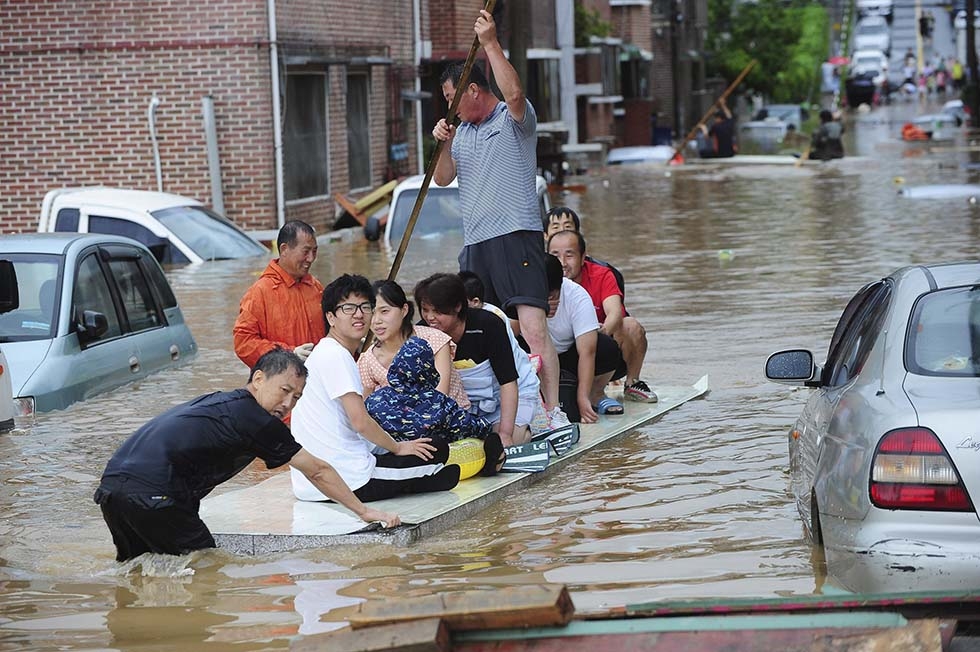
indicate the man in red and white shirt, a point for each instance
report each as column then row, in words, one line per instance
column 607, row 298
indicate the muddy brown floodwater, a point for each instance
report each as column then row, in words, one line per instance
column 695, row 505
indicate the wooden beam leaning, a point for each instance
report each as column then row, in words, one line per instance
column 536, row 605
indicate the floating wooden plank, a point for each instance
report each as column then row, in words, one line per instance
column 544, row 605
column 266, row 518
column 427, row 635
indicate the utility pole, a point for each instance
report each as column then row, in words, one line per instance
column 518, row 18
column 973, row 96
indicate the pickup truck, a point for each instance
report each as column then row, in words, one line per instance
column 175, row 229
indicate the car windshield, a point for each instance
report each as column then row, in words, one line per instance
column 944, row 335
column 211, row 236
column 871, row 29
column 868, row 62
column 37, row 288
column 440, row 213
column 788, row 113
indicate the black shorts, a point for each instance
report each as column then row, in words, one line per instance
column 512, row 268
column 608, row 357
column 140, row 524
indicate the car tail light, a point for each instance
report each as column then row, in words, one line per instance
column 911, row 470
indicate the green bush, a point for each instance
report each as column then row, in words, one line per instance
column 789, row 41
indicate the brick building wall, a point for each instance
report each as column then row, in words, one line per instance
column 632, row 24
column 451, row 27
column 78, row 79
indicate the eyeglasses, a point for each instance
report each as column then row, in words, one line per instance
column 351, row 308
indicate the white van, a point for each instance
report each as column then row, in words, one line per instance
column 440, row 210
column 881, row 8
column 8, row 302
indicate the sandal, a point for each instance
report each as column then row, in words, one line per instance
column 494, row 450
column 608, row 405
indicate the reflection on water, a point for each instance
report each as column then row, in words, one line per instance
column 694, row 505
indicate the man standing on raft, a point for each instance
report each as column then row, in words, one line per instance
column 493, row 154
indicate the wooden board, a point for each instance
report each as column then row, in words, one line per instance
column 544, row 605
column 266, row 518
column 427, row 635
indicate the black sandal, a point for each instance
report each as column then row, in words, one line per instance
column 493, row 449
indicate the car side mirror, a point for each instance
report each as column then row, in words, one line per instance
column 792, row 367
column 9, row 292
column 92, row 326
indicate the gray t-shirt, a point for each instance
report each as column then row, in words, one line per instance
column 496, row 163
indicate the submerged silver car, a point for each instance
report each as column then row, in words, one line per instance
column 85, row 313
column 885, row 457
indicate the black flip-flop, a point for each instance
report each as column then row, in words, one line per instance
column 493, row 448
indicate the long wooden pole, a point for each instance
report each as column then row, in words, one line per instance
column 431, row 167
column 711, row 109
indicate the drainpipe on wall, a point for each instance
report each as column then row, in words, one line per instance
column 152, row 117
column 214, row 162
column 565, row 35
column 417, row 37
column 276, row 115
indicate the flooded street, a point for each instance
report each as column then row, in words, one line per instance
column 695, row 505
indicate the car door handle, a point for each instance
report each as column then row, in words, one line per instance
column 134, row 364
column 174, row 352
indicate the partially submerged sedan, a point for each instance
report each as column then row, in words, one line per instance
column 885, row 457
column 85, row 314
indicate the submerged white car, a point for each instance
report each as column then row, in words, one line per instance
column 440, row 209
column 174, row 228
column 885, row 457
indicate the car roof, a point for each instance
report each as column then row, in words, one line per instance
column 414, row 182
column 857, row 54
column 138, row 200
column 945, row 275
column 640, row 153
column 57, row 243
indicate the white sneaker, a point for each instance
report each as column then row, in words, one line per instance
column 541, row 421
column 558, row 418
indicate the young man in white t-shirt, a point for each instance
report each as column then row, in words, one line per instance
column 583, row 349
column 331, row 422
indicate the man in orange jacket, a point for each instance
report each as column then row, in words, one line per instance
column 282, row 308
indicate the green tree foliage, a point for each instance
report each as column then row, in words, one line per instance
column 588, row 23
column 788, row 39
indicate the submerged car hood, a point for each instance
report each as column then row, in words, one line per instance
column 24, row 359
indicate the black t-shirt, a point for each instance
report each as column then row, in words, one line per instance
column 188, row 450
column 724, row 134
column 485, row 338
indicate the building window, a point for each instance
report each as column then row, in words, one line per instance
column 636, row 78
column 358, row 137
column 305, row 136
column 542, row 85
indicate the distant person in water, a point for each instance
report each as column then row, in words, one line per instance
column 826, row 141
column 720, row 136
